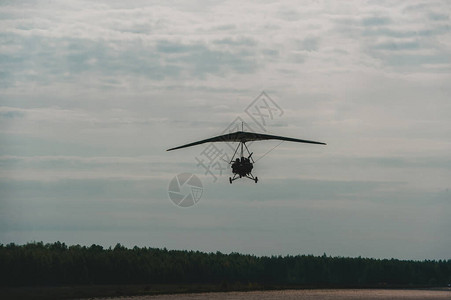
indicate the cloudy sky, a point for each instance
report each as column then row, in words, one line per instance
column 92, row 93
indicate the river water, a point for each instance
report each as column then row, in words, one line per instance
column 372, row 294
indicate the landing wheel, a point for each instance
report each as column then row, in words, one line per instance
column 256, row 179
column 230, row 180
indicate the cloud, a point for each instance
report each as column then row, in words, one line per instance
column 199, row 60
column 243, row 41
column 46, row 60
column 397, row 46
column 11, row 114
column 438, row 16
column 376, row 21
column 309, row 44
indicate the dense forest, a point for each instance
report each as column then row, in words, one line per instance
column 38, row 264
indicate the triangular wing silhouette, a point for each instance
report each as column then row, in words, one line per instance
column 242, row 136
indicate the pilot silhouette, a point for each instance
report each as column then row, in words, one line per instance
column 235, row 165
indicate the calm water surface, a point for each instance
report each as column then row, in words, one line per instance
column 309, row 295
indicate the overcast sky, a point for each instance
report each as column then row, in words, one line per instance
column 93, row 93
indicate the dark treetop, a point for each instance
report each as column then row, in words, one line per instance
column 55, row 264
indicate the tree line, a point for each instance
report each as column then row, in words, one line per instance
column 38, row 264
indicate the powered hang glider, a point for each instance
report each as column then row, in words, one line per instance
column 242, row 166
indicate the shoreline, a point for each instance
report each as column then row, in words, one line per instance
column 132, row 290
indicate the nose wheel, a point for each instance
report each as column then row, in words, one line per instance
column 256, row 179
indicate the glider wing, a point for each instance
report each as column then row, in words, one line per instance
column 242, row 136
